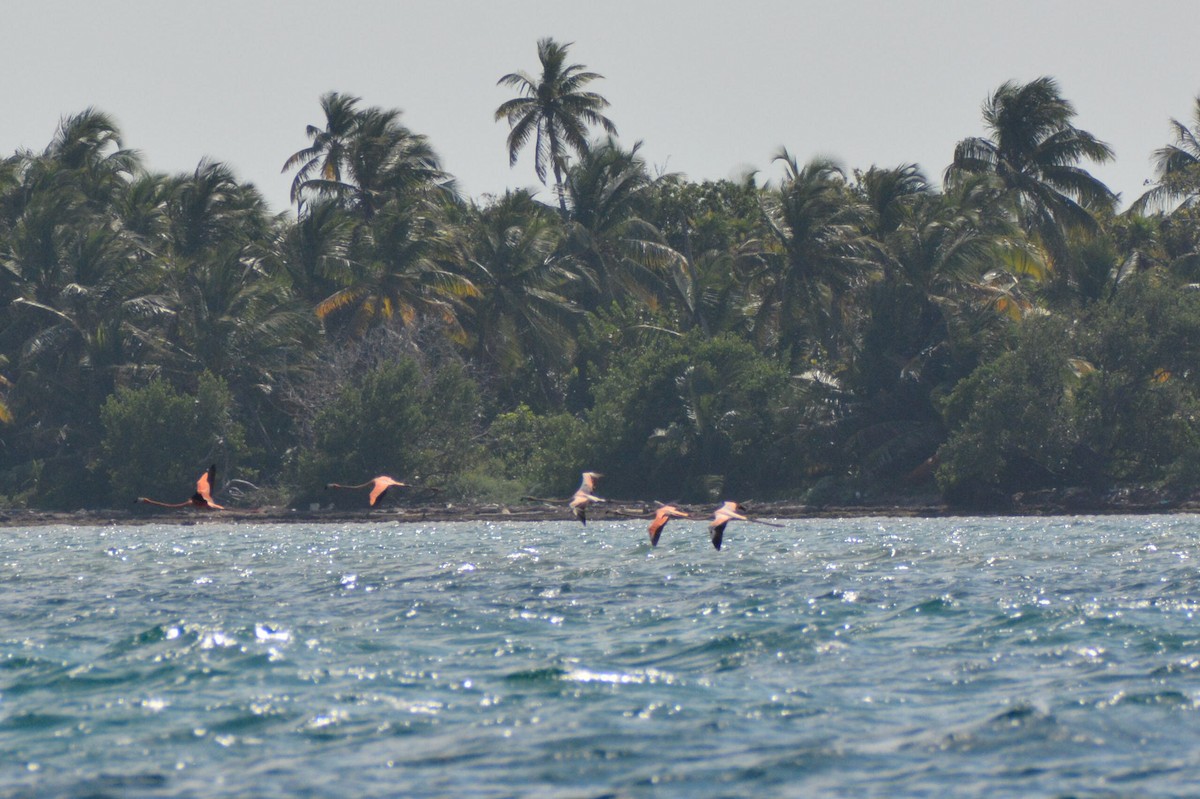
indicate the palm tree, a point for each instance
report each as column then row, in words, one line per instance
column 717, row 228
column 818, row 255
column 89, row 145
column 69, row 282
column 320, row 165
column 554, row 110
column 385, row 160
column 1034, row 151
column 209, row 207
column 890, row 194
column 315, row 248
column 926, row 321
column 398, row 270
column 522, row 323
column 363, row 158
column 617, row 250
column 923, row 315
column 233, row 318
column 75, row 323
column 1176, row 168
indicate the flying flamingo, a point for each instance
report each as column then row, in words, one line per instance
column 201, row 499
column 584, row 496
column 379, row 487
column 661, row 516
column 724, row 515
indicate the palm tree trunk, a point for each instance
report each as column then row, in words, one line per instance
column 558, row 189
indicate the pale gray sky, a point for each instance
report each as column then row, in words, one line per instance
column 711, row 88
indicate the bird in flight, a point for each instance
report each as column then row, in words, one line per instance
column 201, row 499
column 724, row 515
column 584, row 496
column 661, row 516
column 379, row 487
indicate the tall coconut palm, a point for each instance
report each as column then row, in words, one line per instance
column 236, row 321
column 363, row 158
column 78, row 327
column 315, row 248
column 1176, row 168
column 554, row 110
column 617, row 250
column 209, row 207
column 890, row 194
column 66, row 272
column 1034, row 151
column 398, row 270
column 926, row 320
column 142, row 209
column 320, row 165
column 385, row 161
column 89, row 144
column 521, row 321
column 716, row 227
column 818, row 255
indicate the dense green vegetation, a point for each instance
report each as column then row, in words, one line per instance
column 829, row 336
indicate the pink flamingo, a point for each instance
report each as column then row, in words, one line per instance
column 584, row 496
column 724, row 515
column 201, row 499
column 661, row 516
column 379, row 487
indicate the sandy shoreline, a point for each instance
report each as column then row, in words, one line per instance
column 538, row 512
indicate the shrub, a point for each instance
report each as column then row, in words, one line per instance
column 156, row 441
column 398, row 421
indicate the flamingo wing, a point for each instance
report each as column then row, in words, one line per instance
column 579, row 505
column 716, row 531
column 656, row 526
column 588, row 483
column 205, row 483
column 380, row 486
column 661, row 517
column 729, row 511
column 203, row 496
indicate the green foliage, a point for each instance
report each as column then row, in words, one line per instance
column 683, row 419
column 699, row 217
column 157, row 441
column 1113, row 402
column 1139, row 410
column 1009, row 421
column 819, row 336
column 691, row 418
column 398, row 421
column 545, row 453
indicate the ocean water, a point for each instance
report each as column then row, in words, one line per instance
column 997, row 657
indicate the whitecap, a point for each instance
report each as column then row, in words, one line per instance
column 265, row 632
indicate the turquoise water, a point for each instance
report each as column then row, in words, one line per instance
column 992, row 657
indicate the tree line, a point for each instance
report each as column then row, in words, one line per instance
column 830, row 336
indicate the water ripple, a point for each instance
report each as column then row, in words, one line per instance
column 829, row 658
